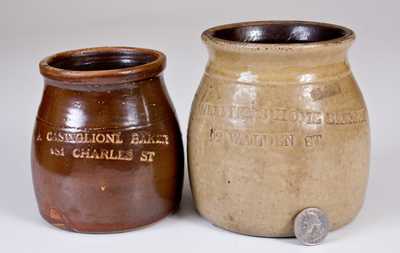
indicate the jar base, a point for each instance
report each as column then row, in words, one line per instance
column 105, row 228
column 269, row 234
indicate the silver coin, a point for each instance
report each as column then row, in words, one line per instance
column 311, row 226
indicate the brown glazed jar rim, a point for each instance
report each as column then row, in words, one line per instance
column 151, row 64
column 212, row 36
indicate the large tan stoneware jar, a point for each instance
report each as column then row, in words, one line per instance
column 278, row 124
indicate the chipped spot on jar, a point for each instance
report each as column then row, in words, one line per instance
column 55, row 215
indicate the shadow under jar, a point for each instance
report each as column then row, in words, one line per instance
column 107, row 153
column 278, row 124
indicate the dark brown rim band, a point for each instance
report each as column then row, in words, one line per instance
column 151, row 67
column 211, row 36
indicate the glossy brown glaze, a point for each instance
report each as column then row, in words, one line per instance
column 107, row 152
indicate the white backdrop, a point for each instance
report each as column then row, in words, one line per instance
column 30, row 30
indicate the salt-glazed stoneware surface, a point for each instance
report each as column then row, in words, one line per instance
column 107, row 153
column 278, row 124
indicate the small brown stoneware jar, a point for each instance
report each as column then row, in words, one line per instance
column 107, row 153
column 278, row 124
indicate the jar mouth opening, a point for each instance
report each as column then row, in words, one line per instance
column 286, row 33
column 103, row 65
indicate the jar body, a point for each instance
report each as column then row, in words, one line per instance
column 106, row 159
column 272, row 135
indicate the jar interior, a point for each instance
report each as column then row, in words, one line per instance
column 282, row 33
column 95, row 61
